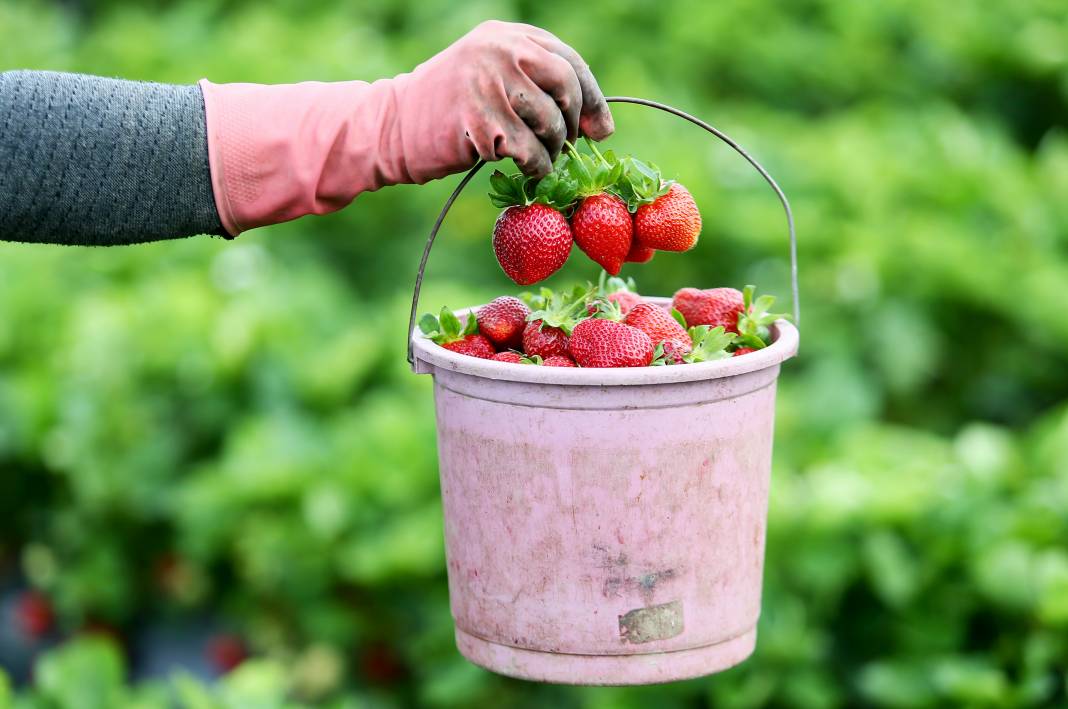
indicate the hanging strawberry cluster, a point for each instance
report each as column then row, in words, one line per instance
column 617, row 209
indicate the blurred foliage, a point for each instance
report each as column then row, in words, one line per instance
column 204, row 437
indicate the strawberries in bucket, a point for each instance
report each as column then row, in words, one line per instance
column 608, row 325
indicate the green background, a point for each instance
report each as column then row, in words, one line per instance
column 226, row 434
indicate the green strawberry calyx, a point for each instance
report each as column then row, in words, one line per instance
column 640, row 183
column 605, row 309
column 563, row 310
column 607, row 285
column 591, row 173
column 446, row 327
column 709, row 344
column 556, row 190
column 755, row 318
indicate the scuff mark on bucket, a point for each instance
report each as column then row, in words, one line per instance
column 644, row 625
column 618, row 581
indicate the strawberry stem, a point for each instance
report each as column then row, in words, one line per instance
column 593, row 148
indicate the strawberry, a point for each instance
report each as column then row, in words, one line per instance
column 599, row 342
column 532, row 238
column 672, row 352
column 472, row 346
column 502, row 321
column 550, row 324
column 531, row 242
column 669, row 223
column 513, row 357
column 742, row 351
column 665, row 214
column 446, row 331
column 544, row 340
column 639, row 253
column 559, row 361
column 709, row 343
column 714, row 307
column 603, row 230
column 225, row 651
column 601, row 222
column 625, row 300
column 659, row 326
column 33, row 613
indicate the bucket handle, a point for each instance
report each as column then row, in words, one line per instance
column 641, row 102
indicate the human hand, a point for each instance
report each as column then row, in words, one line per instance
column 502, row 90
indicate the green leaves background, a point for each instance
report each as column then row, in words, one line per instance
column 246, row 406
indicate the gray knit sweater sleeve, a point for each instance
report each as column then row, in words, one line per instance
column 94, row 161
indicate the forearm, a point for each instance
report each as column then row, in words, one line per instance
column 93, row 161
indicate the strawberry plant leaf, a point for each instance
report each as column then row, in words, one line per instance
column 429, row 325
column 755, row 317
column 709, row 344
column 659, row 359
column 510, row 190
column 471, row 326
column 679, row 318
column 500, row 183
column 450, row 324
column 751, row 340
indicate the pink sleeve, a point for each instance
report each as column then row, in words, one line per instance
column 279, row 152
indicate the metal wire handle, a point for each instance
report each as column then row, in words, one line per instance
column 641, row 102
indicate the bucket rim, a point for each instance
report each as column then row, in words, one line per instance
column 430, row 357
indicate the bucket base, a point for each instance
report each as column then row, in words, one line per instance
column 562, row 668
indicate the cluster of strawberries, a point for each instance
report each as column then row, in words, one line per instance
column 615, row 209
column 608, row 325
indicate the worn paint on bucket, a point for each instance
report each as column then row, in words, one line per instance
column 605, row 526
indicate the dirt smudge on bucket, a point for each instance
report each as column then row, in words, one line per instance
column 644, row 625
column 618, row 581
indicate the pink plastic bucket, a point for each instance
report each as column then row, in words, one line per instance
column 605, row 526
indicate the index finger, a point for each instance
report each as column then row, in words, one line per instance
column 596, row 120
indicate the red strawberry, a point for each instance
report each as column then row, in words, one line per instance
column 513, row 357
column 714, row 307
column 639, row 253
column 597, row 342
column 34, row 615
column 225, row 651
column 743, row 350
column 659, row 326
column 671, row 222
column 675, row 351
column 550, row 325
column 472, row 346
column 543, row 340
column 531, row 238
column 531, row 242
column 502, row 321
column 625, row 299
column 558, row 361
column 705, row 344
column 603, row 229
column 447, row 332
